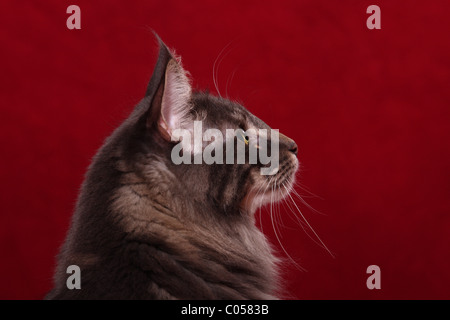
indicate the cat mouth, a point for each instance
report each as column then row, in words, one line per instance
column 282, row 183
column 272, row 188
column 285, row 175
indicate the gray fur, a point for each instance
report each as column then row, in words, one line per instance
column 144, row 228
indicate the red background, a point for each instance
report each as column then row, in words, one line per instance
column 369, row 110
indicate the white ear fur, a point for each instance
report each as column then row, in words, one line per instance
column 175, row 99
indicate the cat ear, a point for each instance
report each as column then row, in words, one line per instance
column 171, row 91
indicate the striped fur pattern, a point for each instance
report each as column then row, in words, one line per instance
column 145, row 228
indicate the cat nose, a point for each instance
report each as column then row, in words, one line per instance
column 293, row 147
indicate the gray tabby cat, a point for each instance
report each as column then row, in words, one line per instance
column 145, row 228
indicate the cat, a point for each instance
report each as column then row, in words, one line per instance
column 146, row 228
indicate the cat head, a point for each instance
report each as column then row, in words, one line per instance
column 217, row 151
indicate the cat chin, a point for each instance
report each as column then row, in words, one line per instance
column 255, row 200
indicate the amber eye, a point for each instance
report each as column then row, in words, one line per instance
column 241, row 136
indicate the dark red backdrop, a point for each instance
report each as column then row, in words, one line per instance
column 368, row 109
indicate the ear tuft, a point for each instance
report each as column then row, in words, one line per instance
column 170, row 92
column 176, row 98
column 164, row 56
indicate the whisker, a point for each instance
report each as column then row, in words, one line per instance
column 217, row 64
column 306, row 221
column 260, row 213
column 281, row 244
column 279, row 216
column 300, row 222
column 229, row 81
column 304, row 202
column 304, row 188
column 274, row 207
column 297, row 219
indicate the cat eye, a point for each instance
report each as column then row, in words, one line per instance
column 241, row 136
